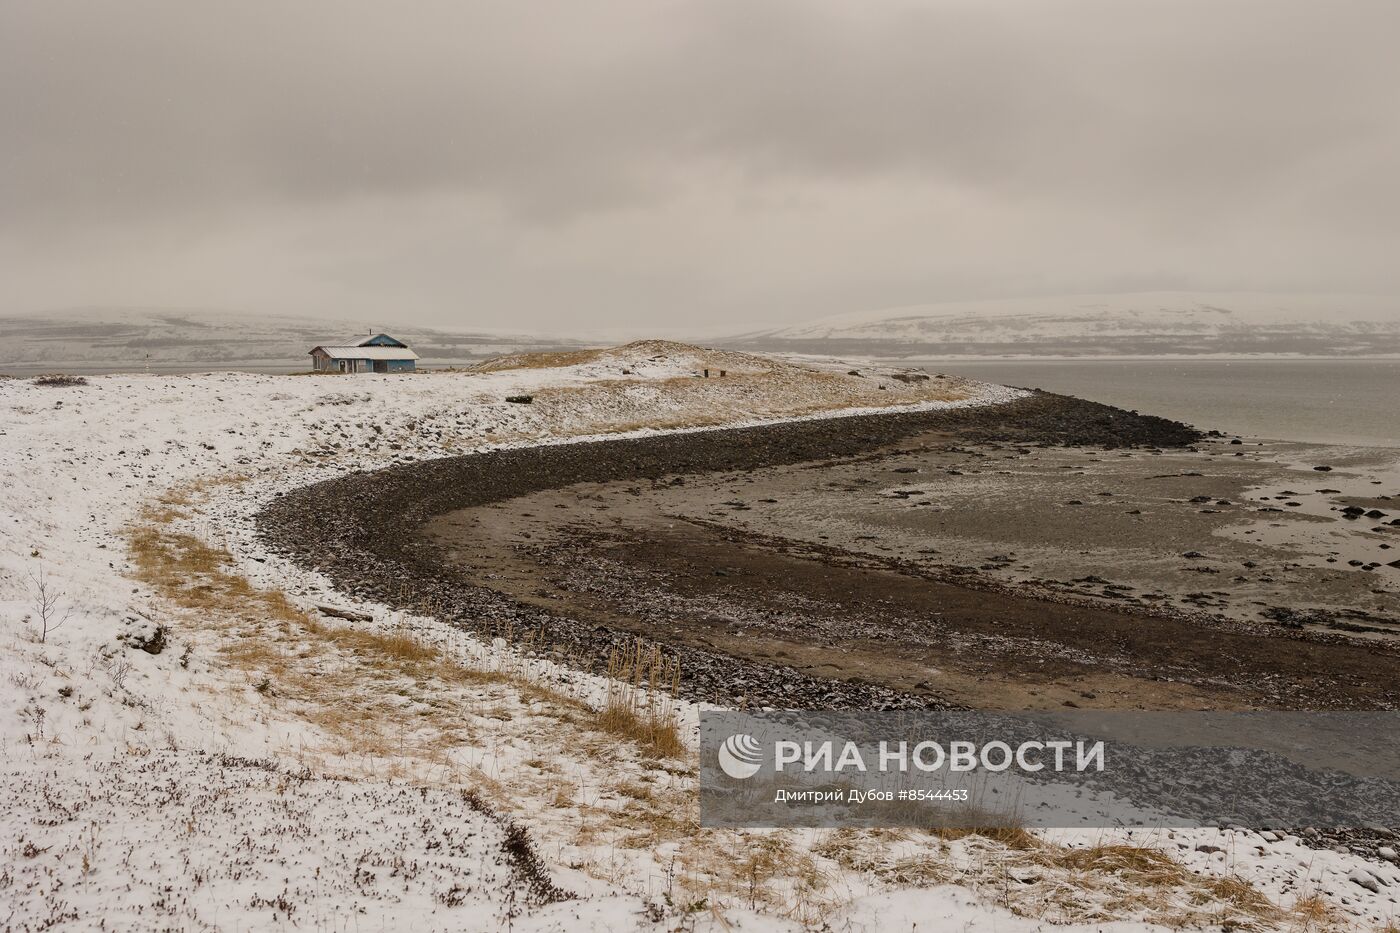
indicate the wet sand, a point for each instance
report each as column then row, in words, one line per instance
column 1223, row 533
column 969, row 561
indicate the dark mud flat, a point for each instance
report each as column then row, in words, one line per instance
column 540, row 541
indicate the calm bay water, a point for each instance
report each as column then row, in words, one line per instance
column 1323, row 401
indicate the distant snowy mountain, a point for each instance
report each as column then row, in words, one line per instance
column 107, row 339
column 1150, row 324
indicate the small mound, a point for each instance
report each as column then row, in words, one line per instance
column 552, row 360
column 639, row 354
column 667, row 384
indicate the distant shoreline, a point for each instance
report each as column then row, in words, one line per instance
column 1153, row 358
column 27, row 370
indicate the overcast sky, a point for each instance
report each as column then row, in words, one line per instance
column 686, row 167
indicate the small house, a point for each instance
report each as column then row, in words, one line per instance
column 378, row 353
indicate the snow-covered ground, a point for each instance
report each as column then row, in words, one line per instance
column 186, row 751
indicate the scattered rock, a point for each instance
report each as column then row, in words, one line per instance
column 59, row 380
column 145, row 635
column 1364, row 879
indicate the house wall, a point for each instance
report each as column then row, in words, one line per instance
column 328, row 365
column 320, row 362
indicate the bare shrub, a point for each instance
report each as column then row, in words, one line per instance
column 49, row 611
column 119, row 668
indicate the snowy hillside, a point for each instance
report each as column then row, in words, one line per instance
column 1108, row 325
column 385, row 774
column 197, row 734
column 174, row 340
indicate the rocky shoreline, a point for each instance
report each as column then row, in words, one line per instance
column 789, row 564
column 361, row 530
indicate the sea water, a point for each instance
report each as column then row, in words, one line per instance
column 1319, row 401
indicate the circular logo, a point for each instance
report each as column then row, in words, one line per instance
column 740, row 756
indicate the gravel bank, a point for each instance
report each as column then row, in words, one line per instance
column 361, row 530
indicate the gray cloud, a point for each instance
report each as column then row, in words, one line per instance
column 688, row 165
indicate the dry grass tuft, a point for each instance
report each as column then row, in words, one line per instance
column 1239, row 893
column 1053, row 883
column 1017, row 838
column 351, row 681
column 1139, row 880
column 1145, row 867
column 1313, row 914
column 757, row 869
column 641, row 684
